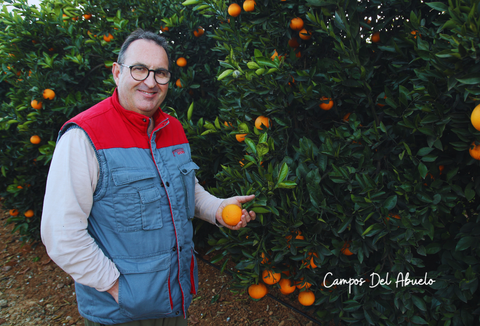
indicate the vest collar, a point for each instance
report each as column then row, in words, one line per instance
column 137, row 120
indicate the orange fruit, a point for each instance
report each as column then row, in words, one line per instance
column 275, row 54
column 270, row 277
column 35, row 139
column 301, row 284
column 87, row 16
column 264, row 259
column 19, row 187
column 345, row 249
column 346, row 117
column 475, row 117
column 298, row 236
column 164, row 29
column 262, row 120
column 382, row 105
column 441, row 168
column 178, row 83
column 286, row 286
column 227, row 124
column 296, row 24
column 36, row 105
column 13, row 212
column 376, row 37
column 240, row 137
column 305, row 35
column 181, row 62
column 394, row 216
column 257, row 291
column 234, row 10
column 306, row 298
column 326, row 106
column 311, row 264
column 415, row 33
column 249, row 5
column 199, row 32
column 232, row 214
column 107, row 38
column 29, row 213
column 474, row 151
column 298, row 54
column 293, row 43
column 48, row 94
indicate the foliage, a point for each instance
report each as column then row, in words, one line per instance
column 402, row 151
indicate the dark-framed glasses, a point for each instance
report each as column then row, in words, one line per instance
column 140, row 73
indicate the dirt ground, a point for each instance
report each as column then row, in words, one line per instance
column 34, row 291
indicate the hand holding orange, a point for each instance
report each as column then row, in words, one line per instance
column 232, row 214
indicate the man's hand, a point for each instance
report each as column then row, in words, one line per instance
column 246, row 216
column 114, row 291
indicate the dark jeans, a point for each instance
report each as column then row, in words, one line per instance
column 176, row 321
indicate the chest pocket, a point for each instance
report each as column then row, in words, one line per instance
column 187, row 171
column 136, row 200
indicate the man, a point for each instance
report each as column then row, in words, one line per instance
column 121, row 194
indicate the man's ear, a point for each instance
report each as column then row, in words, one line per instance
column 116, row 72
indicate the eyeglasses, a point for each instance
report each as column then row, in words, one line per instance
column 140, row 73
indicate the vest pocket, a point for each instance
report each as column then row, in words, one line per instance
column 188, row 177
column 143, row 288
column 151, row 210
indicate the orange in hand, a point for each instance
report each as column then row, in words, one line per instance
column 232, row 214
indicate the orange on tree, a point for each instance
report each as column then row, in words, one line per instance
column 382, row 105
column 48, row 94
column 298, row 54
column 474, row 151
column 346, row 117
column 306, row 298
column 310, row 262
column 181, row 62
column 178, row 83
column 240, row 137
column 35, row 139
column 298, row 236
column 36, row 105
column 300, row 284
column 305, row 35
column 257, row 291
column 326, row 105
column 441, row 168
column 296, row 24
column 249, row 5
column 87, row 16
column 29, row 213
column 13, row 212
column 345, row 249
column 228, row 124
column 164, row 29
column 270, row 277
column 262, row 120
column 376, row 37
column 108, row 38
column 274, row 55
column 286, row 286
column 234, row 10
column 475, row 117
column 199, row 32
column 264, row 259
column 394, row 216
column 293, row 43
column 232, row 214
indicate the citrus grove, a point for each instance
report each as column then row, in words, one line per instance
column 358, row 138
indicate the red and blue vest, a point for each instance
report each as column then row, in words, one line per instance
column 142, row 213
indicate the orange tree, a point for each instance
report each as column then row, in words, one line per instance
column 365, row 167
column 69, row 47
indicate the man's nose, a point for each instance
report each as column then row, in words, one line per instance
column 150, row 80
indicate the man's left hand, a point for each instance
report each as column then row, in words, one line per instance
column 246, row 216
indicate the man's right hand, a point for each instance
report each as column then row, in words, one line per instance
column 114, row 291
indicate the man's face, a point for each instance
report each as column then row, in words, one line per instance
column 145, row 96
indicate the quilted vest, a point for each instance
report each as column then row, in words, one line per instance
column 141, row 215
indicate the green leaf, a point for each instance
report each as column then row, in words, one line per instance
column 419, row 303
column 470, row 79
column 283, row 173
column 465, row 243
column 225, row 74
column 190, row 112
column 418, row 320
column 390, row 202
column 437, row 6
column 423, row 170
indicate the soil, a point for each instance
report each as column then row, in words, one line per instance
column 34, row 291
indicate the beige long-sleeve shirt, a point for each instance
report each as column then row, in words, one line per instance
column 71, row 182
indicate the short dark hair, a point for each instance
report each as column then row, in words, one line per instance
column 140, row 34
